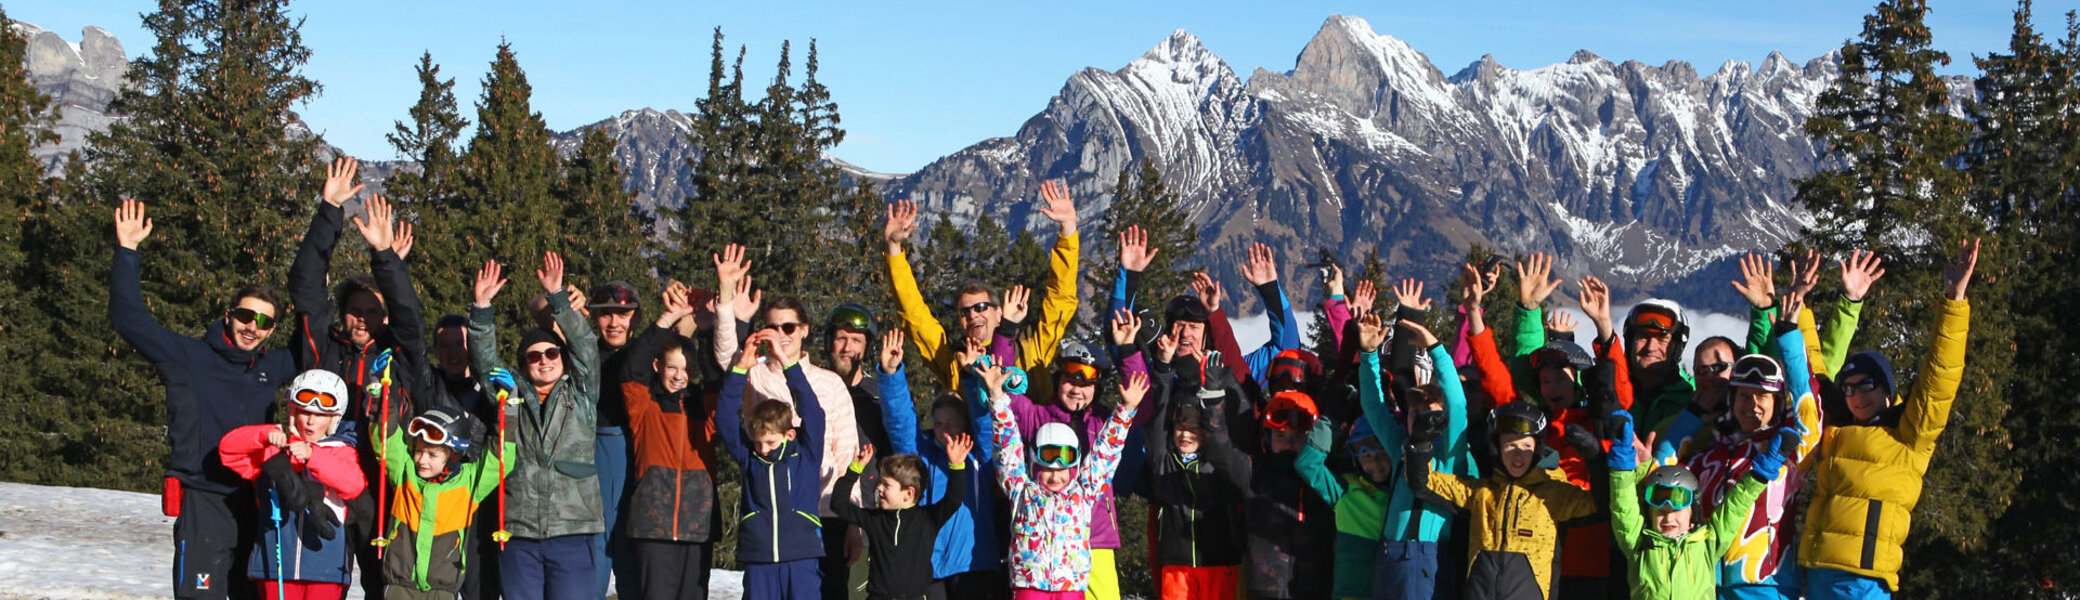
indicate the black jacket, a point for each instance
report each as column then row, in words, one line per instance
column 317, row 344
column 1198, row 503
column 1292, row 532
column 212, row 387
column 899, row 540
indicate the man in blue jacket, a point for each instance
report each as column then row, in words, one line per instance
column 221, row 381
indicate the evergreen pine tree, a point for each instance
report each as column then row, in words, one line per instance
column 206, row 140
column 599, row 216
column 1140, row 198
column 25, row 119
column 1893, row 189
column 428, row 141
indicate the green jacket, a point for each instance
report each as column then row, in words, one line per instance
column 1665, row 568
column 430, row 520
column 554, row 488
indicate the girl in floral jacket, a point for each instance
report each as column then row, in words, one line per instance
column 1051, row 503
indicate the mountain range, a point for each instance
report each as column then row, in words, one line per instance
column 1651, row 176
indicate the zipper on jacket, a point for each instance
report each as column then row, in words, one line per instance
column 678, row 495
column 1191, row 517
column 899, row 529
column 773, row 501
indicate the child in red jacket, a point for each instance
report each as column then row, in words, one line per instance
column 304, row 472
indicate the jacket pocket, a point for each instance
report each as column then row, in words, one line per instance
column 576, row 470
column 813, row 520
column 1499, row 575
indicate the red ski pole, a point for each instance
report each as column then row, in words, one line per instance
column 501, row 536
column 383, row 468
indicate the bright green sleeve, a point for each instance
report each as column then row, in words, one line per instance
column 1626, row 521
column 1759, row 322
column 1732, row 514
column 1834, row 341
column 484, row 489
column 397, row 457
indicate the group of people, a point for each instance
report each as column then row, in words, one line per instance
column 1391, row 463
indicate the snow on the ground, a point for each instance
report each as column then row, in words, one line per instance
column 58, row 542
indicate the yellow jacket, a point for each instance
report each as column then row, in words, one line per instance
column 1868, row 476
column 1514, row 522
column 1036, row 349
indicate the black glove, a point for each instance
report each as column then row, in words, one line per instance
column 319, row 518
column 1415, row 462
column 1585, row 443
column 1601, row 382
column 289, row 489
column 1426, row 427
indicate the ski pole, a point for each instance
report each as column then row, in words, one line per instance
column 281, row 575
column 502, row 382
column 382, row 540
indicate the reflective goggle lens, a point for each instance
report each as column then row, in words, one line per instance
column 428, row 431
column 1079, row 372
column 317, row 399
column 1289, row 419
column 1670, row 497
column 1059, row 456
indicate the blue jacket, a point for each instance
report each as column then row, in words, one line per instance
column 212, row 387
column 779, row 522
column 962, row 546
column 307, row 556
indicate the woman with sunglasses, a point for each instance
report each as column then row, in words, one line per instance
column 553, row 494
column 1868, row 472
column 305, row 471
column 215, row 383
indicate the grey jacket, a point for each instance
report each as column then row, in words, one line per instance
column 554, row 488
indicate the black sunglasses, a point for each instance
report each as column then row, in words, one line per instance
column 1713, row 368
column 978, row 308
column 545, row 354
column 786, row 328
column 253, row 317
column 1860, row 385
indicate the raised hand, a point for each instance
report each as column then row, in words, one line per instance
column 1124, row 325
column 551, row 273
column 1805, row 273
column 865, row 455
column 376, row 228
column 1372, row 333
column 1133, row 389
column 1262, row 268
column 1755, row 284
column 1333, row 279
column 1166, row 348
column 1134, row 251
column 678, row 304
column 1017, row 303
column 1209, row 291
column 891, row 351
column 902, row 220
column 1596, row 302
column 730, row 267
column 1859, row 272
column 1958, row 275
column 993, row 377
column 131, row 225
column 1423, row 333
column 1535, row 280
column 1409, row 293
column 339, row 181
column 1477, row 285
column 1056, row 205
column 403, row 244
column 747, row 357
column 970, row 352
column 1561, row 321
column 1792, row 301
column 490, row 280
column 958, row 446
column 1362, row 298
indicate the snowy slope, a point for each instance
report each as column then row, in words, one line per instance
column 60, row 542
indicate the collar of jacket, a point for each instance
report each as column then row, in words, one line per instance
column 219, row 339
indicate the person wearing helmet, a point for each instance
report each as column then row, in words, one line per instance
column 1868, row 472
column 1054, row 490
column 1669, row 555
column 1516, row 511
column 1575, row 389
column 1196, row 478
column 1771, row 396
column 1291, row 529
column 1429, row 427
column 448, row 470
column 304, row 470
column 1655, row 337
column 981, row 313
column 554, row 494
column 1069, row 395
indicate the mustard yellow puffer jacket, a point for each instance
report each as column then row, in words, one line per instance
column 1869, row 475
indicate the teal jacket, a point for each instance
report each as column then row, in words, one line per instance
column 1407, row 518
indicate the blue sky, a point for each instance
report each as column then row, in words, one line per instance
column 915, row 81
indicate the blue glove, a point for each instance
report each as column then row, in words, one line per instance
column 376, row 368
column 1621, row 457
column 501, row 380
column 1014, row 380
column 1769, row 463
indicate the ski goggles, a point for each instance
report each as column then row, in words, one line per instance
column 1653, row 321
column 1292, row 419
column 319, row 401
column 1758, row 373
column 1078, row 373
column 1366, row 447
column 850, row 318
column 428, row 431
column 1506, row 424
column 1059, row 457
column 543, row 355
column 1671, row 497
column 252, row 317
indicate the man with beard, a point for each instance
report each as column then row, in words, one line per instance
column 221, row 381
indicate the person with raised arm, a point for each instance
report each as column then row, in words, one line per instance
column 1867, row 473
column 221, row 381
column 553, row 493
column 966, row 556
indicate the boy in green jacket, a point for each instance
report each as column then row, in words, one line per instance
column 1674, row 559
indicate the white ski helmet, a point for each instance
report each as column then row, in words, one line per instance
column 319, row 391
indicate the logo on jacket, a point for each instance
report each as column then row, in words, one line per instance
column 201, row 581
